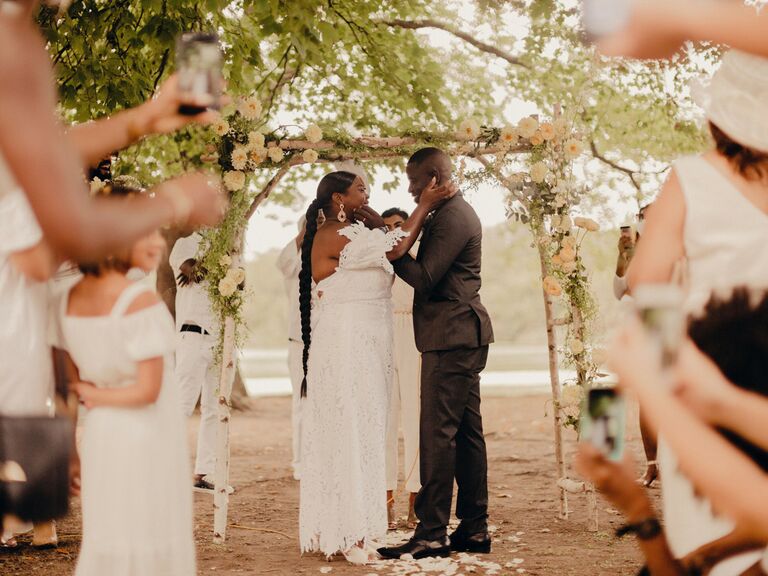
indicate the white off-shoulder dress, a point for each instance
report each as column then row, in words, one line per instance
column 136, row 478
column 348, row 388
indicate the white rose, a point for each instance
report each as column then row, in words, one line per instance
column 227, row 286
column 527, row 126
column 313, row 133
column 508, row 136
column 539, row 172
column 547, row 131
column 237, row 275
column 225, row 261
column 255, row 139
column 234, row 180
column 571, row 396
column 250, row 108
column 221, row 127
column 275, row 154
column 469, row 129
column 573, row 148
column 239, row 158
column 576, row 346
column 586, row 224
column 258, row 155
column 310, row 156
column 552, row 286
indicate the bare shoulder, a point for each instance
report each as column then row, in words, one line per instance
column 328, row 240
column 144, row 300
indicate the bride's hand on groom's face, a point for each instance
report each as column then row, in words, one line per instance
column 434, row 195
column 369, row 217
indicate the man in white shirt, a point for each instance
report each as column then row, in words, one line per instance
column 405, row 401
column 197, row 334
column 289, row 264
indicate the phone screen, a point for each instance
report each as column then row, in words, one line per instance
column 603, row 422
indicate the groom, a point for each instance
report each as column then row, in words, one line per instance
column 452, row 331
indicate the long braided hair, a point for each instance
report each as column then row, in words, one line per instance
column 328, row 186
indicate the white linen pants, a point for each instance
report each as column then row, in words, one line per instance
column 296, row 372
column 197, row 377
column 404, row 405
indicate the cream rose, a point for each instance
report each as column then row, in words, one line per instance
column 567, row 254
column 552, row 286
column 225, row 261
column 527, row 126
column 234, row 180
column 573, row 148
column 255, row 139
column 258, row 155
column 565, row 223
column 239, row 158
column 568, row 267
column 576, row 346
column 569, row 242
column 310, row 156
column 561, row 126
column 536, row 139
column 237, row 275
column 586, row 224
column 313, row 133
column 539, row 172
column 469, row 129
column 227, row 286
column 250, row 108
column 571, row 396
column 508, row 136
column 275, row 154
column 547, row 131
column 221, row 127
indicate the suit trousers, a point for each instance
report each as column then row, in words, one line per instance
column 197, row 377
column 452, row 442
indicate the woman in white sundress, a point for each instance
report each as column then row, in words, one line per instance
column 346, row 318
column 136, row 493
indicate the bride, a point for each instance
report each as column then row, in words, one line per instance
column 346, row 320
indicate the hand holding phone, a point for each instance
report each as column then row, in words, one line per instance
column 198, row 62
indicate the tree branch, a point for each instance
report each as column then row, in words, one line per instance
column 267, row 190
column 632, row 174
column 482, row 46
column 503, row 179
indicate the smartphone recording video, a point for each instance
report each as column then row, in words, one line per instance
column 603, row 422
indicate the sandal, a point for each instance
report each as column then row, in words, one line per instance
column 9, row 544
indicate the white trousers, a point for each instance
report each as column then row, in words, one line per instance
column 404, row 405
column 296, row 372
column 197, row 377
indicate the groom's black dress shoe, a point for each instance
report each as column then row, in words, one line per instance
column 418, row 549
column 477, row 543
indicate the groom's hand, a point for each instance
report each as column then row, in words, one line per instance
column 369, row 217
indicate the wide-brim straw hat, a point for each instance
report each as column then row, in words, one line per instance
column 736, row 99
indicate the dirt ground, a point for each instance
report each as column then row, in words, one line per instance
column 262, row 536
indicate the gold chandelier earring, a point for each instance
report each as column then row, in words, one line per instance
column 341, row 216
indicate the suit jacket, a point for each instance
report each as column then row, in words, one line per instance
column 445, row 275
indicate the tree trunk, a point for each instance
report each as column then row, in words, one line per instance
column 221, row 479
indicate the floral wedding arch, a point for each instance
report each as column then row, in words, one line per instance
column 532, row 160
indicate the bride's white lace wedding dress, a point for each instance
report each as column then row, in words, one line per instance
column 344, row 415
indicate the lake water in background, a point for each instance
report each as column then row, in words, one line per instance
column 511, row 370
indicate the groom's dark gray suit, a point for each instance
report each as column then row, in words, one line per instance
column 452, row 330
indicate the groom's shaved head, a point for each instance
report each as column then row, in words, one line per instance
column 426, row 164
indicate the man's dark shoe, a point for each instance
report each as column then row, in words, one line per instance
column 477, row 543
column 418, row 549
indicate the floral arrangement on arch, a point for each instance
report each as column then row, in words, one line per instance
column 543, row 195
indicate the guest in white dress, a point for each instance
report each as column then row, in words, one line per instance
column 713, row 211
column 136, row 496
column 405, row 402
column 347, row 331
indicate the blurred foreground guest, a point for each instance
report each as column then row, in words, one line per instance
column 73, row 224
column 659, row 28
column 26, row 375
column 289, row 263
column 136, row 497
column 404, row 407
column 730, row 341
column 713, row 211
